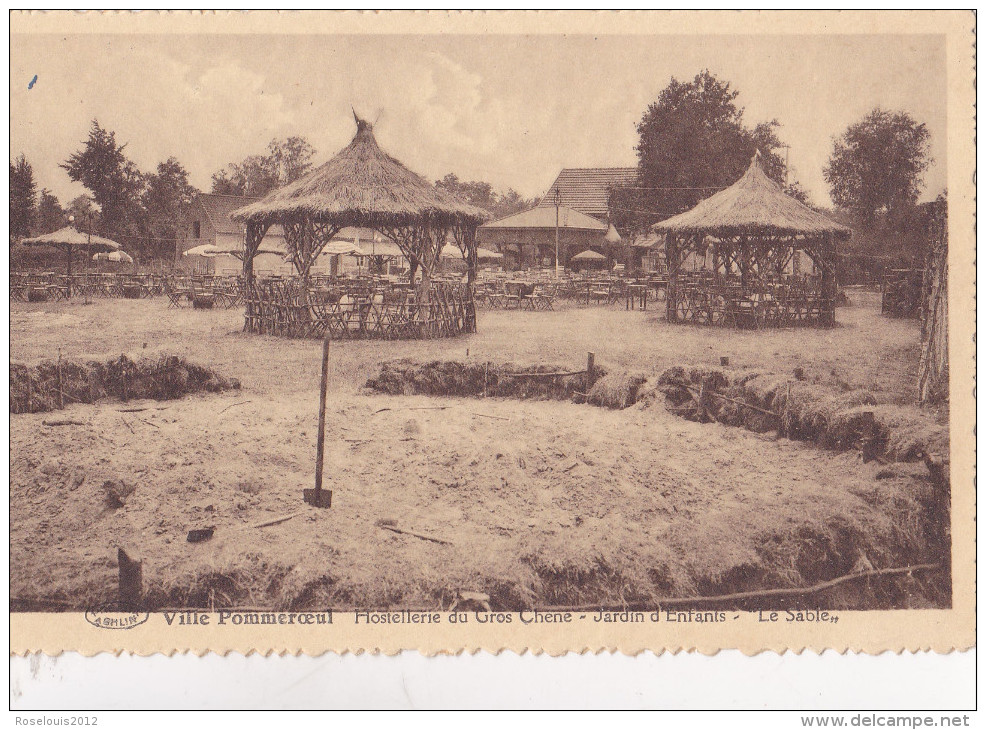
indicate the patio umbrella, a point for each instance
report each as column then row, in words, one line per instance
column 70, row 238
column 588, row 258
column 208, row 250
column 482, row 254
column 211, row 250
column 485, row 254
column 120, row 257
column 612, row 235
column 589, row 255
column 335, row 248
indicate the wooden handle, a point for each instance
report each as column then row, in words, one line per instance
column 321, row 417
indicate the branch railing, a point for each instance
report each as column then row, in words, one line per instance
column 359, row 310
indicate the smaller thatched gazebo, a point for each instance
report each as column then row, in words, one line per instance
column 754, row 231
column 363, row 186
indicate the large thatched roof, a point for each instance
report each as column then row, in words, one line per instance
column 753, row 205
column 361, row 186
column 544, row 218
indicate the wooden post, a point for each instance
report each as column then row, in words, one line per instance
column 317, row 497
column 30, row 387
column 724, row 361
column 61, row 397
column 869, row 437
column 785, row 416
column 590, row 371
column 131, row 581
column 321, row 416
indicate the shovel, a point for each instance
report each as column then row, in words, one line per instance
column 318, row 497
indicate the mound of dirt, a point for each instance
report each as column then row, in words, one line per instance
column 478, row 380
column 761, row 402
column 36, row 389
column 618, row 389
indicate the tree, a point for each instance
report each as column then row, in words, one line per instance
column 116, row 184
column 482, row 195
column 798, row 193
column 877, row 165
column 512, row 202
column 23, row 192
column 290, row 159
column 285, row 161
column 479, row 194
column 50, row 216
column 167, row 200
column 693, row 143
column 82, row 208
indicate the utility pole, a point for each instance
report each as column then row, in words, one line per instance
column 557, row 199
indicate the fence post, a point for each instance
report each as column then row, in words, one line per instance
column 61, row 396
column 869, row 436
column 131, row 581
column 590, row 371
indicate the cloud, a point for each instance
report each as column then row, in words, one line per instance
column 160, row 106
column 511, row 110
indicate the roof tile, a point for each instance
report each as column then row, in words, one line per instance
column 587, row 189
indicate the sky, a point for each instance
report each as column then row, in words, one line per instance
column 508, row 109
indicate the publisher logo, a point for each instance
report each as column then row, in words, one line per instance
column 110, row 616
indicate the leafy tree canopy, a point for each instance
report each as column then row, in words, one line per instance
column 877, row 166
column 23, row 192
column 284, row 162
column 115, row 182
column 167, row 199
column 51, row 217
column 482, row 195
column 693, row 143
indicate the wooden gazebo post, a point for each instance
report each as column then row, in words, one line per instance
column 671, row 260
column 255, row 233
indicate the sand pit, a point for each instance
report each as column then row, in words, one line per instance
column 544, row 503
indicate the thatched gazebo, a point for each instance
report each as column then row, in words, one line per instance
column 362, row 186
column 754, row 232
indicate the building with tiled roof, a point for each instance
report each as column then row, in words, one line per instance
column 528, row 238
column 587, row 189
column 210, row 222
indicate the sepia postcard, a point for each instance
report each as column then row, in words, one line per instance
column 449, row 331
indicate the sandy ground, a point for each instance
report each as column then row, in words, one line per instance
column 865, row 350
column 544, row 503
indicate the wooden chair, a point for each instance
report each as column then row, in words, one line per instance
column 203, row 297
column 543, row 297
column 513, row 294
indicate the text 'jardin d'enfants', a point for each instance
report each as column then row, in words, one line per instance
column 421, row 618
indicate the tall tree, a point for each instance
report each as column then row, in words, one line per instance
column 23, row 192
column 115, row 182
column 693, row 142
column 877, row 166
column 482, row 195
column 285, row 161
column 291, row 158
column 511, row 202
column 167, row 200
column 51, row 217
column 475, row 193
